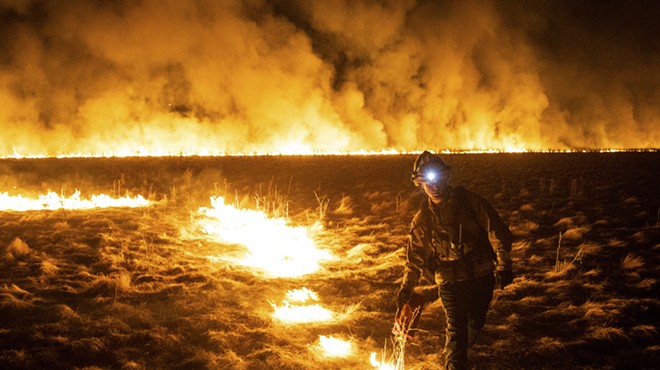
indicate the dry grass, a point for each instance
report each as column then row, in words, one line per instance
column 134, row 289
column 632, row 262
column 17, row 249
column 576, row 233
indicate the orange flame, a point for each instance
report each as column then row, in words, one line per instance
column 380, row 365
column 296, row 150
column 293, row 150
column 335, row 347
column 53, row 201
column 273, row 246
column 296, row 309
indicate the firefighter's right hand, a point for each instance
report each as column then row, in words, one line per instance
column 402, row 320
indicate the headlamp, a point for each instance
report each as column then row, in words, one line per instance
column 429, row 168
column 428, row 175
column 431, row 175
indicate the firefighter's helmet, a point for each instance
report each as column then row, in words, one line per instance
column 429, row 167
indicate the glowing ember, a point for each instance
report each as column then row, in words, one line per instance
column 335, row 347
column 53, row 201
column 302, row 311
column 273, row 246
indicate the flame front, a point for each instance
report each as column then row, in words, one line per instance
column 273, row 246
column 53, row 201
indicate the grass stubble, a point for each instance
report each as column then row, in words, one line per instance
column 134, row 289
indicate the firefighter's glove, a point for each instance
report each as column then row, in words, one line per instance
column 403, row 320
column 503, row 278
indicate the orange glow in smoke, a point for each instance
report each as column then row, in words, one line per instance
column 273, row 246
column 54, row 201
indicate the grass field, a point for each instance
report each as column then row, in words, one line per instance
column 147, row 288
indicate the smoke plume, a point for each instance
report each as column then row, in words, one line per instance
column 169, row 76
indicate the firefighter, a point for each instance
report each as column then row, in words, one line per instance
column 458, row 240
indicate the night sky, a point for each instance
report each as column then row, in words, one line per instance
column 271, row 76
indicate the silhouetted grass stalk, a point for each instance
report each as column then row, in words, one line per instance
column 557, row 263
column 323, row 205
column 563, row 266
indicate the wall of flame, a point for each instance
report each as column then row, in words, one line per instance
column 280, row 76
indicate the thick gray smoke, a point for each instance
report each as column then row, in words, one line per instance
column 281, row 75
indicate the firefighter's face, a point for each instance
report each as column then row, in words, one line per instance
column 436, row 187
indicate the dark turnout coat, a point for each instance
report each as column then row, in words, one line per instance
column 460, row 239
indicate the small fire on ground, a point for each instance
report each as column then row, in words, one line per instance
column 272, row 245
column 300, row 306
column 334, row 347
column 54, row 201
column 383, row 364
column 281, row 250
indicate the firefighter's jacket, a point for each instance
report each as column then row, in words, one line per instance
column 461, row 238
